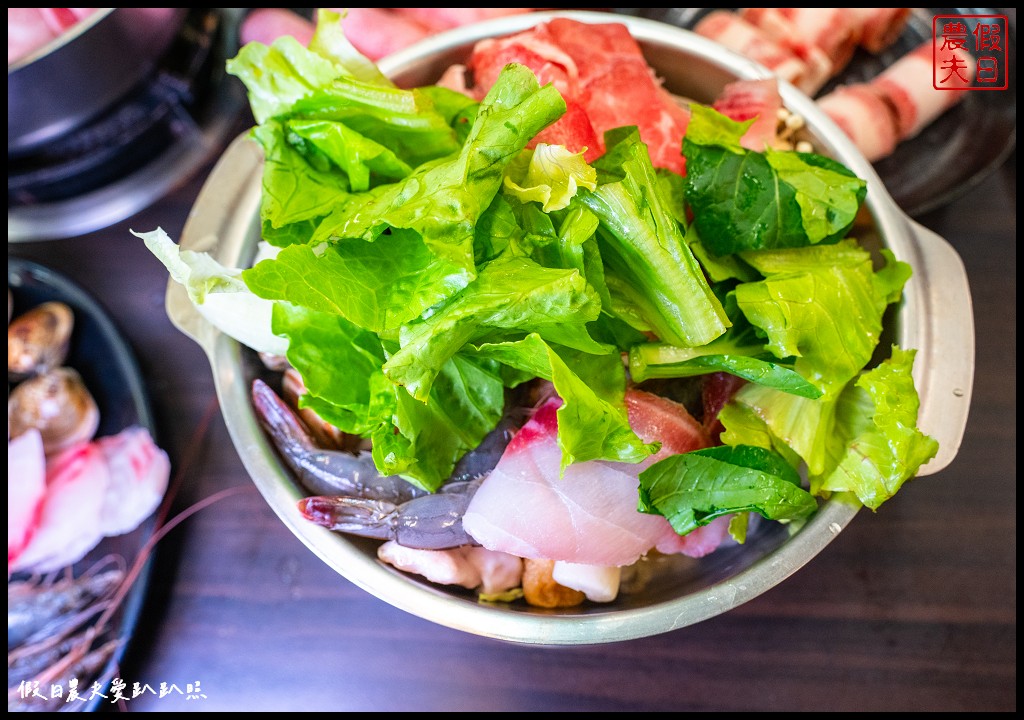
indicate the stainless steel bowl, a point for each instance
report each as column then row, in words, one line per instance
column 75, row 77
column 935, row 317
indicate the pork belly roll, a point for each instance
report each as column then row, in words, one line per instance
column 907, row 85
column 824, row 38
column 879, row 27
column 865, row 117
column 750, row 41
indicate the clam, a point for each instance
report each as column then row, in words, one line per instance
column 58, row 404
column 38, row 340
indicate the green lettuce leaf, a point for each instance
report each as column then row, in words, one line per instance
column 592, row 421
column 443, row 200
column 405, row 121
column 717, row 268
column 281, row 74
column 358, row 156
column 641, row 243
column 329, row 42
column 423, row 441
column 741, row 351
column 822, row 305
column 573, row 246
column 692, row 489
column 769, row 418
column 647, row 362
column 510, row 296
column 299, row 187
column 498, row 232
column 881, row 448
column 319, row 344
column 458, row 109
column 549, row 175
column 746, row 200
column 329, row 107
column 379, row 286
column 419, row 441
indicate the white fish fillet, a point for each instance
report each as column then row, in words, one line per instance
column 589, row 515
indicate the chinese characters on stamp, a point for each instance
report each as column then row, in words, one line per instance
column 970, row 52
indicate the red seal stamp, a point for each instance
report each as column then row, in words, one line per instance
column 970, row 52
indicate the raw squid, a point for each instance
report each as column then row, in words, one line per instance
column 588, row 516
column 92, row 490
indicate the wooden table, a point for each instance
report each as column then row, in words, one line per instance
column 912, row 608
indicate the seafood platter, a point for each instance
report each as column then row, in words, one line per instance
column 90, row 479
column 487, row 354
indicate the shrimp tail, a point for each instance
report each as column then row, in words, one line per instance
column 355, row 516
column 429, row 522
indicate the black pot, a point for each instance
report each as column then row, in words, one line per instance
column 77, row 76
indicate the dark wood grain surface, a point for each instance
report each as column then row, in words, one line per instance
column 912, row 608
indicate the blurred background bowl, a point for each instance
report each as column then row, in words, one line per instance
column 935, row 317
column 114, row 112
column 77, row 75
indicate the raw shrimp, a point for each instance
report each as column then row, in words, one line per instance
column 75, row 666
column 335, row 472
column 52, row 631
column 33, row 660
column 429, row 522
column 479, row 461
column 351, row 496
column 39, row 608
column 324, row 472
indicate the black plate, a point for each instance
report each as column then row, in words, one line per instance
column 107, row 365
column 953, row 154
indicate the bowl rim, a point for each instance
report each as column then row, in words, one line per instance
column 225, row 219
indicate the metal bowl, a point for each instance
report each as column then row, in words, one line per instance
column 935, row 317
column 75, row 77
